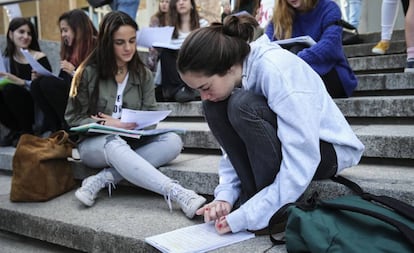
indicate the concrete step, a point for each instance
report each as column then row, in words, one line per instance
column 14, row 243
column 375, row 37
column 359, row 106
column 384, row 141
column 116, row 224
column 385, row 82
column 381, row 141
column 199, row 171
column 379, row 63
column 121, row 223
column 362, row 50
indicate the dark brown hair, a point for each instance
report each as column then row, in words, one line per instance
column 228, row 44
column 11, row 49
column 103, row 56
column 175, row 18
column 85, row 37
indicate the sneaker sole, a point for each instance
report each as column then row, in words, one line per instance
column 409, row 70
column 82, row 198
column 377, row 51
column 199, row 203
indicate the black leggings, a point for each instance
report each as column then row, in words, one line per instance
column 16, row 108
column 51, row 95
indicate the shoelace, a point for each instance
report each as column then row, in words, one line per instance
column 168, row 195
column 111, row 185
column 181, row 196
column 96, row 184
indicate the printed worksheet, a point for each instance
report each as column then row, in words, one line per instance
column 197, row 238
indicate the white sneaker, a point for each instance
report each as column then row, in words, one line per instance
column 92, row 185
column 188, row 200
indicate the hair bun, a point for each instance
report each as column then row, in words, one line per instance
column 242, row 26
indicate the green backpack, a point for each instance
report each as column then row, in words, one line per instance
column 363, row 223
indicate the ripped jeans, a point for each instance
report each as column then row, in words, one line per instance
column 136, row 160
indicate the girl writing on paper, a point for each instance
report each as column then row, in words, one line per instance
column 276, row 124
column 111, row 78
column 17, row 107
column 78, row 38
column 316, row 18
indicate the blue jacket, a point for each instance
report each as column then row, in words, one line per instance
column 328, row 52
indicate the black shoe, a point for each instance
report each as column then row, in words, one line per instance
column 9, row 139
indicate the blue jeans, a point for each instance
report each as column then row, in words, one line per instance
column 135, row 160
column 353, row 12
column 130, row 7
column 246, row 128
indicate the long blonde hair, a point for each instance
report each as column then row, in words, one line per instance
column 283, row 16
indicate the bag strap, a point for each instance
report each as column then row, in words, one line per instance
column 62, row 137
column 404, row 229
column 398, row 206
column 344, row 24
column 280, row 217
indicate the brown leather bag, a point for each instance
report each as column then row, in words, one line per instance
column 41, row 170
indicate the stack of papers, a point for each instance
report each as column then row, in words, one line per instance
column 301, row 40
column 141, row 118
column 98, row 128
column 196, row 238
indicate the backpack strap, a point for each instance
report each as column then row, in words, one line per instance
column 398, row 206
column 404, row 229
column 278, row 221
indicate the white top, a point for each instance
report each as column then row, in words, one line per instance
column 116, row 113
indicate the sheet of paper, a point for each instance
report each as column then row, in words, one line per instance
column 143, row 118
column 36, row 66
column 149, row 35
column 301, row 39
column 196, row 238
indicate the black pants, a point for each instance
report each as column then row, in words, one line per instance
column 334, row 85
column 246, row 128
column 16, row 108
column 51, row 95
column 170, row 79
column 173, row 87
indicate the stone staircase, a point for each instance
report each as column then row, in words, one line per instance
column 381, row 113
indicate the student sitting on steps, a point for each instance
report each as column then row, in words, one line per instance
column 78, row 39
column 17, row 108
column 316, row 18
column 113, row 78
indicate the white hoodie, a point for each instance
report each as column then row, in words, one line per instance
column 306, row 114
